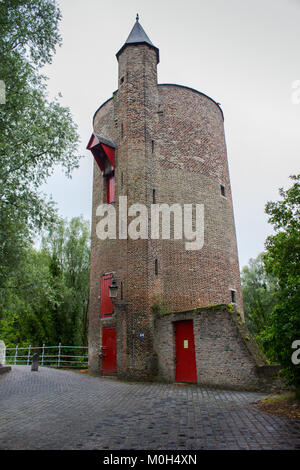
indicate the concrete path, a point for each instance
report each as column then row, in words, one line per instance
column 56, row 409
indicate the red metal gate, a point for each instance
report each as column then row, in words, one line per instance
column 109, row 351
column 186, row 370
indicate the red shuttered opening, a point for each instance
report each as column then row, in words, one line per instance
column 109, row 336
column 109, row 352
column 104, row 154
column 110, row 189
column 106, row 305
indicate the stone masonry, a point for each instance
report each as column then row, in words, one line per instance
column 226, row 355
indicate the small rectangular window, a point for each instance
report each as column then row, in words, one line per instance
column 156, row 267
column 233, row 296
column 154, row 197
column 223, row 190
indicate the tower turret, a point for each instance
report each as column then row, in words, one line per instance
column 137, row 103
column 138, row 36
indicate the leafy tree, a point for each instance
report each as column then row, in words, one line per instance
column 68, row 245
column 282, row 260
column 36, row 295
column 36, row 134
column 26, row 302
column 46, row 300
column 258, row 288
column 30, row 28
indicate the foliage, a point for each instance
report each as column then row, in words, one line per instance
column 282, row 260
column 46, row 300
column 258, row 288
column 69, row 248
column 36, row 134
column 30, row 28
column 25, row 313
column 159, row 306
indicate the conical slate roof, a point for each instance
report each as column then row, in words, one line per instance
column 138, row 36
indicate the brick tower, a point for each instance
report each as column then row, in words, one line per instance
column 158, row 144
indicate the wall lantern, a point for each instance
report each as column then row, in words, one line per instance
column 113, row 289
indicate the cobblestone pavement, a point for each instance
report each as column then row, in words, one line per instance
column 56, row 409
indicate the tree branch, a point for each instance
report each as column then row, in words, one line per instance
column 31, row 158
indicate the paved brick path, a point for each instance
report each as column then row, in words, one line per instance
column 55, row 409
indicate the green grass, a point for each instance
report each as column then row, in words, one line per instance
column 289, row 397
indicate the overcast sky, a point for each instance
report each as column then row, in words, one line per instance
column 245, row 54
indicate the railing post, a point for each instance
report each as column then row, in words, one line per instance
column 28, row 357
column 35, row 362
column 16, row 355
column 43, row 350
column 59, row 349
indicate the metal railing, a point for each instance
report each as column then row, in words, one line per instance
column 64, row 358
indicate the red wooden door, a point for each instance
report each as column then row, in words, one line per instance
column 109, row 352
column 186, row 370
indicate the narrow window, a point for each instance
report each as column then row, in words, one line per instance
column 122, row 80
column 122, row 131
column 156, row 267
column 122, row 179
column 152, row 142
column 121, row 290
column 223, row 190
column 233, row 296
column 153, row 197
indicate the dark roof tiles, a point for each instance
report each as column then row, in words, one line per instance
column 138, row 36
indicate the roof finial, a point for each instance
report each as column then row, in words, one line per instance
column 137, row 17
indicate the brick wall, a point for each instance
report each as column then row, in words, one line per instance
column 190, row 166
column 226, row 355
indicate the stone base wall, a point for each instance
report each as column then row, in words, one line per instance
column 226, row 355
